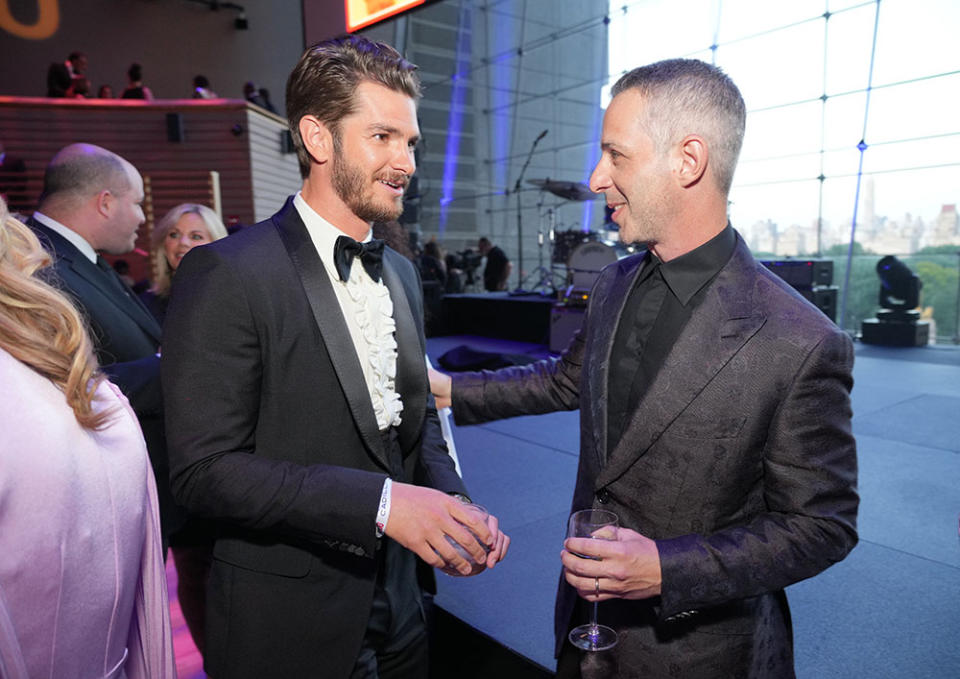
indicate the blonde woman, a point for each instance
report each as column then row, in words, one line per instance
column 82, row 586
column 182, row 229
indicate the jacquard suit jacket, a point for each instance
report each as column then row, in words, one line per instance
column 272, row 432
column 739, row 461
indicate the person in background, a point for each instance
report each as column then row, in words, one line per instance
column 498, row 267
column 265, row 97
column 714, row 408
column 201, row 88
column 91, row 203
column 184, row 227
column 135, row 88
column 63, row 76
column 105, row 92
column 82, row 585
column 432, row 265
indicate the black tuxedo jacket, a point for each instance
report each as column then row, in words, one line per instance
column 126, row 338
column 739, row 461
column 272, row 432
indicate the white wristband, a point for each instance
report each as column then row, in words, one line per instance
column 383, row 510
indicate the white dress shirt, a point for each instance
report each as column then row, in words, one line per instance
column 368, row 311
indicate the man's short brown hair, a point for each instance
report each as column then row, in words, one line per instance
column 325, row 79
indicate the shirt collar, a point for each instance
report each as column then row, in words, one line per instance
column 323, row 234
column 75, row 238
column 687, row 274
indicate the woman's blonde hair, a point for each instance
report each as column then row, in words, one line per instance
column 162, row 273
column 40, row 327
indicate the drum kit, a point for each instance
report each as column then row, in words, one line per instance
column 582, row 253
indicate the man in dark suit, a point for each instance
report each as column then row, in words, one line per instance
column 298, row 407
column 90, row 204
column 714, row 408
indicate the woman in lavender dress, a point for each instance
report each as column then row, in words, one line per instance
column 82, row 586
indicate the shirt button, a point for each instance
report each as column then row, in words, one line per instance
column 603, row 496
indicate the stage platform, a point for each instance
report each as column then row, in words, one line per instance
column 503, row 315
column 889, row 610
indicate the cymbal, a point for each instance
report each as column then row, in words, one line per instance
column 568, row 190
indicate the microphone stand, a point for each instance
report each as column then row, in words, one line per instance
column 516, row 190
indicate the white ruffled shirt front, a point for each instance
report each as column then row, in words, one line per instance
column 368, row 312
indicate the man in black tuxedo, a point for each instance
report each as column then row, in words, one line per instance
column 714, row 408
column 298, row 407
column 90, row 204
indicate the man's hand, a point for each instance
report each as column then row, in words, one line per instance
column 501, row 542
column 442, row 387
column 421, row 518
column 626, row 568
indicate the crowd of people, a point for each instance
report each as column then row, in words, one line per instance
column 69, row 80
column 265, row 411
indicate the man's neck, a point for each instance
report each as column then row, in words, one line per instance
column 79, row 241
column 323, row 200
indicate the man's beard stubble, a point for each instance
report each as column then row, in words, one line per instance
column 350, row 183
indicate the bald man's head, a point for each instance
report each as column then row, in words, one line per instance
column 97, row 194
column 80, row 171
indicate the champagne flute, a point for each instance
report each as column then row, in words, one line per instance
column 598, row 524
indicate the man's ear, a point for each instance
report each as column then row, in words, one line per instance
column 317, row 139
column 104, row 203
column 691, row 160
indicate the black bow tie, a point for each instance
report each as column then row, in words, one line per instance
column 370, row 254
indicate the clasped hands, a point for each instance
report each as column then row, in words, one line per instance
column 421, row 518
column 627, row 567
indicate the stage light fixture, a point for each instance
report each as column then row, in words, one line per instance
column 899, row 286
column 898, row 322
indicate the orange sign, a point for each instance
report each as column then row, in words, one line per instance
column 362, row 13
column 48, row 19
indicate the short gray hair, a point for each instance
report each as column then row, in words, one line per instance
column 688, row 96
column 82, row 170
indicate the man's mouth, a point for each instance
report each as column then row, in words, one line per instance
column 616, row 209
column 396, row 185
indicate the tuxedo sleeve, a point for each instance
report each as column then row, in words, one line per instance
column 809, row 489
column 211, row 369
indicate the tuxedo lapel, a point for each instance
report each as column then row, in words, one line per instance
column 724, row 321
column 333, row 328
column 411, row 353
column 609, row 299
column 80, row 266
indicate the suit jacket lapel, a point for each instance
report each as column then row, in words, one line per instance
column 129, row 304
column 609, row 299
column 333, row 328
column 721, row 325
column 411, row 352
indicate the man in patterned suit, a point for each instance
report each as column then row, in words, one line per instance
column 714, row 407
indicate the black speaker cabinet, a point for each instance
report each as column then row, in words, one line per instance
column 824, row 298
column 175, row 127
column 803, row 273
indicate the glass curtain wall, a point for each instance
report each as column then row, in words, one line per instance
column 852, row 149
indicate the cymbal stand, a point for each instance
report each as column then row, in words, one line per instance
column 516, row 190
column 544, row 284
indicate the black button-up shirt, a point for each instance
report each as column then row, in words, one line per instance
column 659, row 306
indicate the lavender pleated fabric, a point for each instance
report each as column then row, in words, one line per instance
column 82, row 586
